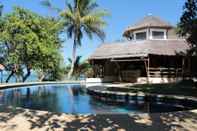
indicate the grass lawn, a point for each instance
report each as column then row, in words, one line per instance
column 184, row 88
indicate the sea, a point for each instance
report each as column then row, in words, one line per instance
column 32, row 78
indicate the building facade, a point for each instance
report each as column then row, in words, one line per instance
column 152, row 53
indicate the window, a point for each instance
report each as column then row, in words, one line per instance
column 140, row 36
column 158, row 34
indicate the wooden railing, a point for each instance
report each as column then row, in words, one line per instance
column 165, row 72
column 130, row 75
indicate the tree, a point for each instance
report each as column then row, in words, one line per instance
column 187, row 26
column 80, row 67
column 31, row 42
column 82, row 17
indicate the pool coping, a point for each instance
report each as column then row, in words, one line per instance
column 13, row 85
column 102, row 90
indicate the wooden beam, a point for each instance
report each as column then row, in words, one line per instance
column 183, row 66
column 148, row 68
column 147, row 64
column 162, row 68
column 119, row 71
column 128, row 60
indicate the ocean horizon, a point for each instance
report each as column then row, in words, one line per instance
column 32, row 78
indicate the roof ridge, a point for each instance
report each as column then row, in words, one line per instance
column 149, row 21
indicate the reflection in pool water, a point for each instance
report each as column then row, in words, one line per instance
column 73, row 99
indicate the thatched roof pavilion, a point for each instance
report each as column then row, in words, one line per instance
column 152, row 51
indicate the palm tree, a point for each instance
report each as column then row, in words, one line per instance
column 76, row 63
column 82, row 17
column 80, row 67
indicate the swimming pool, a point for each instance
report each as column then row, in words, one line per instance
column 73, row 98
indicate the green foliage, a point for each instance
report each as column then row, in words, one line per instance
column 48, row 4
column 188, row 24
column 31, row 41
column 83, row 18
column 80, row 68
column 1, row 9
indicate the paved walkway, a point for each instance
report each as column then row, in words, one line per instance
column 25, row 120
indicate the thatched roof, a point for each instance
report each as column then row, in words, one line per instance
column 147, row 22
column 140, row 49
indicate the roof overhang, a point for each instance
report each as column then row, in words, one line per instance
column 132, row 49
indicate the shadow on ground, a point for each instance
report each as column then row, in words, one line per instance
column 16, row 118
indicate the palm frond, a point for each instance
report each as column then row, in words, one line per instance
column 78, row 60
column 97, row 32
column 46, row 3
column 1, row 9
column 88, row 33
column 91, row 7
column 70, row 60
column 69, row 31
column 70, row 8
column 79, row 37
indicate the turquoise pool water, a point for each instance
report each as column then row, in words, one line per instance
column 71, row 98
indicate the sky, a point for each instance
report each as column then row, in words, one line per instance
column 123, row 13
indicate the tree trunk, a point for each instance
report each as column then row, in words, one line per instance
column 1, row 76
column 41, row 78
column 73, row 60
column 27, row 75
column 11, row 74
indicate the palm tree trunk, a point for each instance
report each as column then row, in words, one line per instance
column 73, row 60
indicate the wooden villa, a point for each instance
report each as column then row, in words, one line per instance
column 152, row 53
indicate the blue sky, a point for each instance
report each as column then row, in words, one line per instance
column 123, row 13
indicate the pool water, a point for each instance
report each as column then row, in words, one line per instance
column 74, row 99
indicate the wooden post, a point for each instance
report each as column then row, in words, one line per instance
column 94, row 68
column 176, row 69
column 148, row 69
column 119, row 71
column 190, row 66
column 183, row 66
column 147, row 66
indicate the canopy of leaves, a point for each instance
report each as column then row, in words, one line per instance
column 30, row 41
column 83, row 16
column 80, row 68
column 188, row 24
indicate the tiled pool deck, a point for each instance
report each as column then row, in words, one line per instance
column 18, row 119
